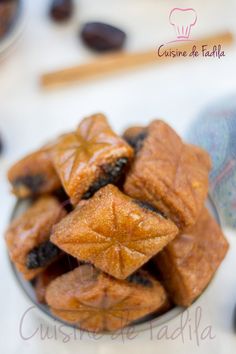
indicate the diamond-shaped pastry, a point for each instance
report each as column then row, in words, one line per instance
column 170, row 175
column 94, row 301
column 188, row 263
column 114, row 232
column 90, row 158
column 28, row 236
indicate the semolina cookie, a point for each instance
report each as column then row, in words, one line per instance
column 90, row 158
column 188, row 263
column 170, row 175
column 34, row 175
column 114, row 232
column 27, row 237
column 94, row 301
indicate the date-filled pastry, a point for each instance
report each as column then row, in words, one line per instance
column 169, row 174
column 28, row 237
column 114, row 232
column 93, row 301
column 188, row 263
column 90, row 158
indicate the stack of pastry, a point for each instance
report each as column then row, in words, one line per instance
column 117, row 228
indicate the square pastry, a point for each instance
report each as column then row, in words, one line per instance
column 114, row 232
column 90, row 158
column 168, row 174
column 188, row 263
column 93, row 301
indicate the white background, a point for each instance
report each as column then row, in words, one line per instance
column 177, row 92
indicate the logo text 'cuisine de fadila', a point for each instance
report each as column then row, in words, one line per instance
column 183, row 20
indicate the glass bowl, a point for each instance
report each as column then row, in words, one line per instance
column 137, row 326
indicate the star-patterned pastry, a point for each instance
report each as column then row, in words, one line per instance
column 96, row 302
column 188, row 263
column 170, row 175
column 114, row 232
column 28, row 236
column 90, row 158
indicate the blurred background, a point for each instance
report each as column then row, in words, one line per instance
column 37, row 37
column 175, row 92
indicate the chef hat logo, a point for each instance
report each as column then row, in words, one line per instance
column 183, row 20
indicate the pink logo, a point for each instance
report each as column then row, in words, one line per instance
column 183, row 20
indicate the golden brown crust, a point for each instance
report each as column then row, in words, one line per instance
column 30, row 230
column 170, row 175
column 94, row 301
column 79, row 157
column 203, row 156
column 160, row 215
column 113, row 232
column 61, row 266
column 34, row 175
column 188, row 263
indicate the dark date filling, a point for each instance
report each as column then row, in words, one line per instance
column 136, row 141
column 63, row 198
column 140, row 279
column 148, row 206
column 110, row 174
column 33, row 183
column 42, row 255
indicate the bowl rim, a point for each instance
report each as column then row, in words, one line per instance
column 15, row 30
column 138, row 326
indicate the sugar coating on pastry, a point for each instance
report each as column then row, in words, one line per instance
column 114, row 232
column 188, row 263
column 27, row 237
column 170, row 175
column 93, row 301
column 34, row 175
column 90, row 158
